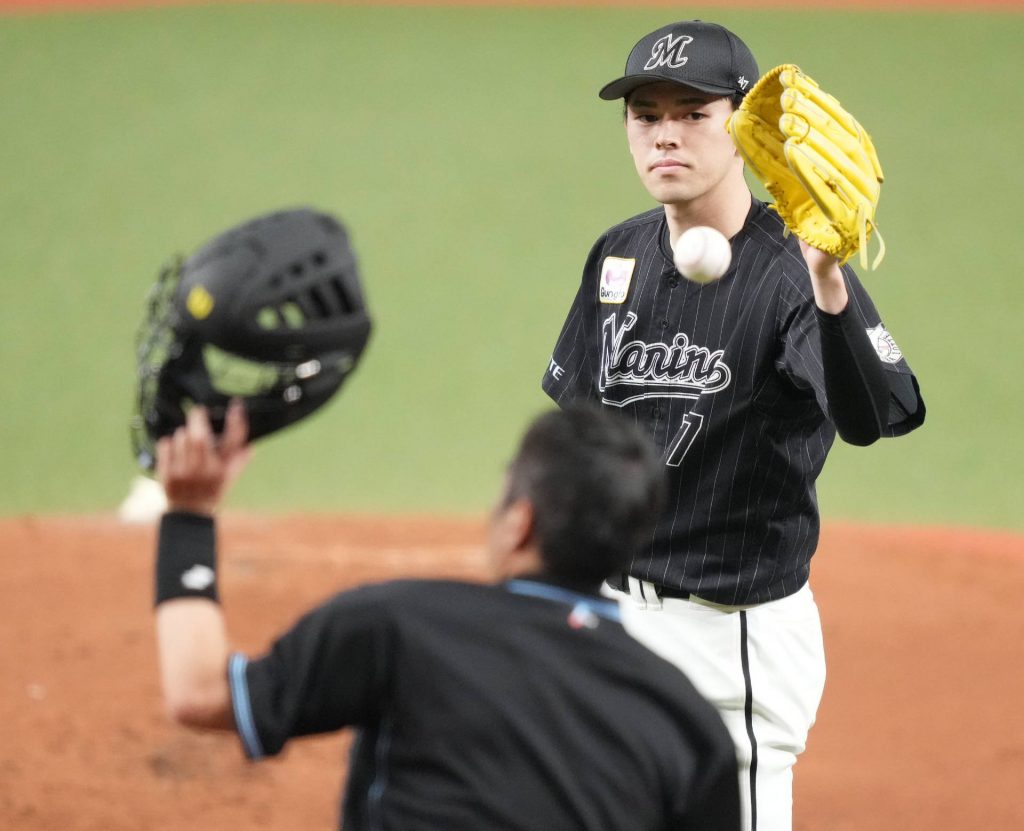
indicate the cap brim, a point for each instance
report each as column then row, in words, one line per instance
column 621, row 87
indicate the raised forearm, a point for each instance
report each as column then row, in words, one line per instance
column 855, row 383
column 193, row 651
column 192, row 644
column 195, row 468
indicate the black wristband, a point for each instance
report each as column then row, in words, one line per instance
column 186, row 557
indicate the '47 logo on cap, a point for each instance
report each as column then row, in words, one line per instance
column 616, row 274
column 668, row 51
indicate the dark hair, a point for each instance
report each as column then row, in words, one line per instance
column 596, row 485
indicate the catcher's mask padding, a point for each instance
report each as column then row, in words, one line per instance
column 271, row 311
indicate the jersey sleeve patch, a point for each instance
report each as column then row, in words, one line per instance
column 616, row 274
column 884, row 345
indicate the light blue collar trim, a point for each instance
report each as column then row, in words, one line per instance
column 607, row 609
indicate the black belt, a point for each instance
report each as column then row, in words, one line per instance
column 621, row 584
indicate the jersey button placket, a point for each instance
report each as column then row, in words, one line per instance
column 672, row 281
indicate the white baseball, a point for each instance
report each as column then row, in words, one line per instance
column 702, row 254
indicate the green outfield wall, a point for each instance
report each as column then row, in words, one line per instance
column 474, row 164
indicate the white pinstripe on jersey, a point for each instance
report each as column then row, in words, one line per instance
column 742, row 519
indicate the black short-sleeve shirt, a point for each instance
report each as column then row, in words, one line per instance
column 516, row 706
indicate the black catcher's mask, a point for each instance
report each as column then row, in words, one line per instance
column 270, row 311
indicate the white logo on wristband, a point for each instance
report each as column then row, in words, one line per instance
column 198, row 578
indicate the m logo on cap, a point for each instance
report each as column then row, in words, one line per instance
column 668, row 51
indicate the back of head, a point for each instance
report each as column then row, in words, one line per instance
column 596, row 485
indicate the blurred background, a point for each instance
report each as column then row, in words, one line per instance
column 468, row 153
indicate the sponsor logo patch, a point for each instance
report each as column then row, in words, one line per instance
column 616, row 274
column 884, row 345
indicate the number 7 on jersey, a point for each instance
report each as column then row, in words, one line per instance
column 692, row 422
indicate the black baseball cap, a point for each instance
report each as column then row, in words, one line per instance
column 701, row 55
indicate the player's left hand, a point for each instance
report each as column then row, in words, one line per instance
column 196, row 467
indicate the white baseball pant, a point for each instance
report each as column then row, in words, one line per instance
column 763, row 667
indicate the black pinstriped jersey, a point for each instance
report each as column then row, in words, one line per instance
column 521, row 706
column 728, row 380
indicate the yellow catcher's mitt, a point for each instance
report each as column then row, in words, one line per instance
column 814, row 158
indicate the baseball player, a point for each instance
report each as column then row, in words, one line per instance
column 518, row 705
column 743, row 384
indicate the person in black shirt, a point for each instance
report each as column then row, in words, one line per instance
column 743, row 384
column 521, row 704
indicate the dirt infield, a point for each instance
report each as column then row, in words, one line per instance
column 920, row 727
